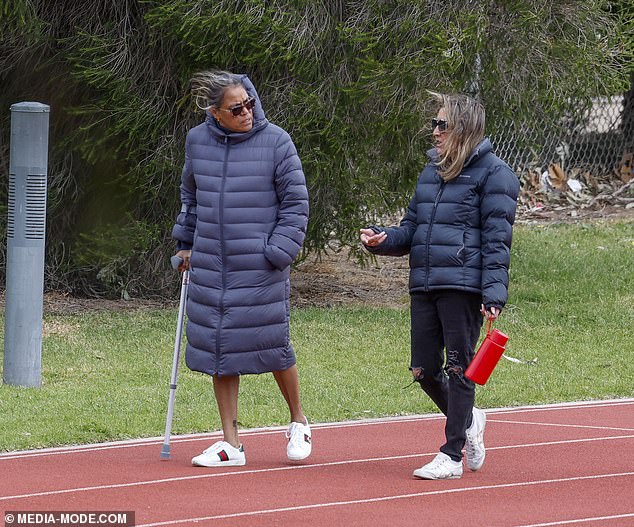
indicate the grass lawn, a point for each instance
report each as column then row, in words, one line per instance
column 570, row 313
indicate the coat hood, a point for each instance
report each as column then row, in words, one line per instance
column 259, row 118
column 484, row 147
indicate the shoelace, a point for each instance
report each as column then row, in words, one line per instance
column 438, row 462
column 213, row 449
column 217, row 447
column 295, row 434
column 470, row 446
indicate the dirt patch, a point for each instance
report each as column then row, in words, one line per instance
column 55, row 303
column 338, row 279
column 62, row 304
column 566, row 214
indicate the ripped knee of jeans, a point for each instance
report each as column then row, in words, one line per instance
column 453, row 368
column 418, row 373
column 456, row 371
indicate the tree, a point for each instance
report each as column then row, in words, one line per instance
column 347, row 79
column 624, row 10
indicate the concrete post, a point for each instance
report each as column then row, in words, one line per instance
column 26, row 226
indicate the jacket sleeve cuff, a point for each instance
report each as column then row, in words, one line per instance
column 183, row 246
column 277, row 257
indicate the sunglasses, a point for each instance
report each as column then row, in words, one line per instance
column 249, row 104
column 440, row 123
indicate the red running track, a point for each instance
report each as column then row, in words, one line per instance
column 570, row 464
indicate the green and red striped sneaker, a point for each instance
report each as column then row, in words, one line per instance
column 221, row 454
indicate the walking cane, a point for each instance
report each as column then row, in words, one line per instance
column 176, row 262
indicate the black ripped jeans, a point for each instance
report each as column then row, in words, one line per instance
column 446, row 320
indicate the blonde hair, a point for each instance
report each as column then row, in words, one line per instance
column 465, row 130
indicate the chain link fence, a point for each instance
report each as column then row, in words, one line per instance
column 588, row 144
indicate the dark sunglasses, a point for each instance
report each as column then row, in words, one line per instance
column 249, row 104
column 440, row 123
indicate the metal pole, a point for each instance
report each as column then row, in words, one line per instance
column 26, row 228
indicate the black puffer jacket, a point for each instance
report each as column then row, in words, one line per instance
column 458, row 233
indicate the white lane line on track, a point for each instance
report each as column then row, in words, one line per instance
column 207, row 436
column 387, row 498
column 561, row 425
column 318, row 426
column 580, row 520
column 562, row 406
column 284, row 468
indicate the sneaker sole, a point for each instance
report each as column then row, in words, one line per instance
column 475, row 468
column 231, row 463
column 421, row 476
column 297, row 458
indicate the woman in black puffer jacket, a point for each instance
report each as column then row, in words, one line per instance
column 457, row 231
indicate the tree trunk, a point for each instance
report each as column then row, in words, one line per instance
column 626, row 169
column 628, row 117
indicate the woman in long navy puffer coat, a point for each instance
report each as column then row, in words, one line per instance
column 242, row 223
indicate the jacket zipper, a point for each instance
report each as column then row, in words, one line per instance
column 431, row 224
column 222, row 250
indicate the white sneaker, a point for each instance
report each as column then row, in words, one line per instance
column 474, row 445
column 442, row 467
column 221, row 454
column 299, row 441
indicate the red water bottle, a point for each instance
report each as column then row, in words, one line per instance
column 487, row 356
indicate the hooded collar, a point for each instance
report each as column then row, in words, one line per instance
column 484, row 147
column 259, row 119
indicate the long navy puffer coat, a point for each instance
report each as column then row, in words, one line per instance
column 458, row 233
column 245, row 213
